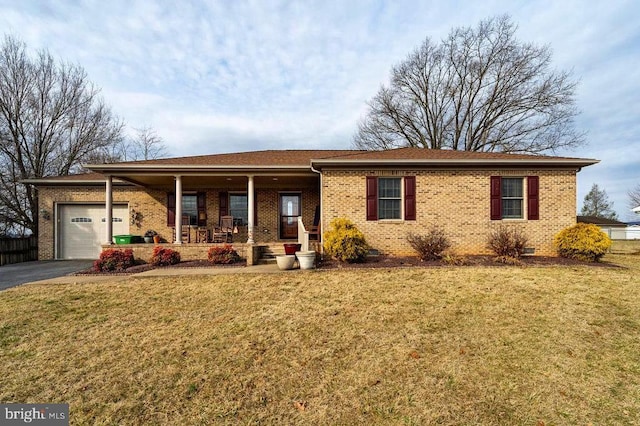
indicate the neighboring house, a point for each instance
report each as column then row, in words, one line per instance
column 387, row 194
column 633, row 231
column 615, row 229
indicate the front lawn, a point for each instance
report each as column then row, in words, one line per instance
column 471, row 345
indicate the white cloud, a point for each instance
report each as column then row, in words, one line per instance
column 222, row 76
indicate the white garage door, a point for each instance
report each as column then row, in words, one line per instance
column 82, row 229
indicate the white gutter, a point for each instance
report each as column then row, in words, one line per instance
column 198, row 167
column 321, row 219
column 568, row 162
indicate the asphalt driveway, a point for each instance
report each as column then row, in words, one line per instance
column 20, row 273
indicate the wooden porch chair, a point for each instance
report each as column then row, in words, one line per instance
column 314, row 230
column 185, row 230
column 224, row 232
column 202, row 234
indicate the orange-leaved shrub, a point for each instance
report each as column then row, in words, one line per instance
column 222, row 254
column 582, row 241
column 114, row 260
column 345, row 242
column 164, row 256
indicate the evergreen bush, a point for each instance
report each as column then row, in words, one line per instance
column 582, row 241
column 345, row 242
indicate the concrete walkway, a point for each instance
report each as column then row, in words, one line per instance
column 166, row 272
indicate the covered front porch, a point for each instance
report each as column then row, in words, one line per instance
column 264, row 208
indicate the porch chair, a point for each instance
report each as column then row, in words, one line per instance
column 224, row 233
column 315, row 230
column 202, row 234
column 185, row 230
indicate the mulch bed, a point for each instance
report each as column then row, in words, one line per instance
column 381, row 261
column 147, row 267
column 477, row 260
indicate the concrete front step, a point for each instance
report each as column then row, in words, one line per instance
column 269, row 252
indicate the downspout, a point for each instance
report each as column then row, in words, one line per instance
column 320, row 241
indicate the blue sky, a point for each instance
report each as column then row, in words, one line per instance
column 221, row 76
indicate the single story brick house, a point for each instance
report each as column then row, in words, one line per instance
column 387, row 194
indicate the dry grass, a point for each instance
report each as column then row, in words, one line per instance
column 473, row 345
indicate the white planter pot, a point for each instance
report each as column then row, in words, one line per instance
column 285, row 262
column 306, row 259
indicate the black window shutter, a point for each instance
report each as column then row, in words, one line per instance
column 533, row 197
column 171, row 209
column 202, row 209
column 255, row 208
column 410, row 198
column 224, row 204
column 496, row 198
column 372, row 198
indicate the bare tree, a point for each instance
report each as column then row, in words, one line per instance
column 596, row 203
column 51, row 120
column 478, row 90
column 634, row 197
column 147, row 145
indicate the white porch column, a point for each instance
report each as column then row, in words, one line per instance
column 250, row 208
column 178, row 221
column 108, row 206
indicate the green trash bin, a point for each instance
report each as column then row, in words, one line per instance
column 124, row 239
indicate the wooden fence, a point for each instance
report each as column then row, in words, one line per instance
column 16, row 250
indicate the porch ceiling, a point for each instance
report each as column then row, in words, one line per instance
column 220, row 181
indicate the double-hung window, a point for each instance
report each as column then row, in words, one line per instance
column 388, row 199
column 190, row 209
column 194, row 209
column 509, row 199
column 512, row 200
column 238, row 208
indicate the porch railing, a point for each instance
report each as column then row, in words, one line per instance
column 303, row 235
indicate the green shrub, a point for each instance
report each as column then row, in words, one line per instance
column 507, row 243
column 583, row 241
column 222, row 255
column 164, row 256
column 345, row 242
column 113, row 260
column 431, row 245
